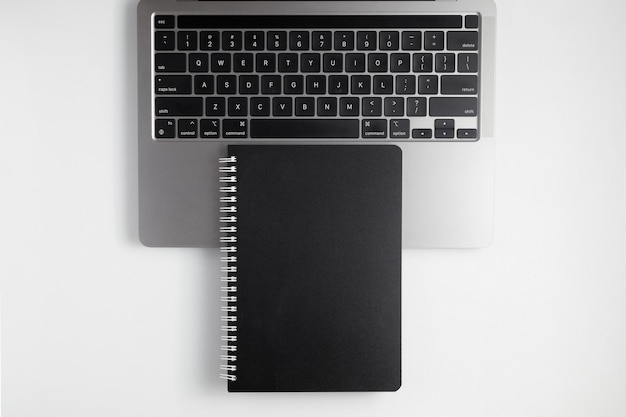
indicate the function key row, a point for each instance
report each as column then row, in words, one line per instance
column 417, row 21
column 187, row 40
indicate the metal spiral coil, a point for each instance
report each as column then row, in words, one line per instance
column 228, row 258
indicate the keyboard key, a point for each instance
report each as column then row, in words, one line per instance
column 216, row 106
column 282, row 106
column 187, row 128
column 243, row 62
column 254, row 40
column 333, row 62
column 226, row 84
column 249, row 84
column 466, row 134
column 453, row 106
column 462, row 41
column 400, row 63
column 277, row 40
column 433, row 40
column 427, row 84
column 235, row 128
column 389, row 41
column 322, row 41
column 198, row 62
column 164, row 128
column 416, row 106
column 377, row 62
column 383, row 84
column 327, row 106
column 444, row 133
column 471, row 21
column 344, row 41
column 468, row 63
column 178, row 106
column 422, row 62
column 405, row 84
column 260, row 106
column 316, row 84
column 399, row 128
column 348, row 106
column 394, row 106
column 422, row 133
column 210, row 128
column 266, row 62
column 293, row 84
column 298, row 40
column 361, row 84
column 164, row 22
column 444, row 62
column 187, row 41
column 459, row 84
column 164, row 40
column 220, row 62
column 374, row 128
column 366, row 40
column 172, row 84
column 210, row 40
column 304, row 128
column 305, row 106
column 444, row 123
column 338, row 84
column 372, row 106
column 287, row 62
column 270, row 84
column 310, row 62
column 237, row 106
column 232, row 40
column 355, row 62
column 411, row 40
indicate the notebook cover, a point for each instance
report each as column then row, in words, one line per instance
column 318, row 268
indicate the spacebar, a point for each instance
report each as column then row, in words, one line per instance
column 304, row 128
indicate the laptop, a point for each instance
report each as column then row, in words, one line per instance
column 417, row 74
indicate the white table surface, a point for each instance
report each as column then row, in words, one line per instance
column 94, row 324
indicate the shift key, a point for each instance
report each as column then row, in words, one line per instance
column 178, row 106
column 453, row 106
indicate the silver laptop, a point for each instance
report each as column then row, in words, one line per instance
column 417, row 74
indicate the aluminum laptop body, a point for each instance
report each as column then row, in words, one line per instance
column 448, row 171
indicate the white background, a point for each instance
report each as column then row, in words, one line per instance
column 94, row 324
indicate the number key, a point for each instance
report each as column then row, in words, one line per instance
column 322, row 41
column 232, row 41
column 210, row 41
column 366, row 40
column 277, row 40
column 389, row 41
column 254, row 41
column 344, row 41
column 298, row 40
column 187, row 41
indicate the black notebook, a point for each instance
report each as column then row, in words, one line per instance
column 311, row 240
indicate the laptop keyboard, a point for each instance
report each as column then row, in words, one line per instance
column 363, row 78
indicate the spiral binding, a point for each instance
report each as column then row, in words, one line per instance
column 228, row 237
